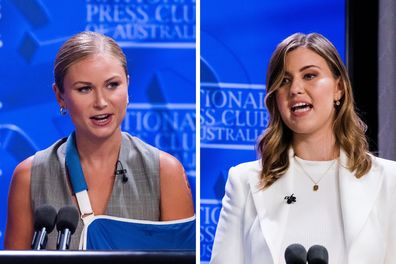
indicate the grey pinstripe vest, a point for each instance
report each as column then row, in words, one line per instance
column 138, row 198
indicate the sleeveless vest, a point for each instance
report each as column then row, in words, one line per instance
column 138, row 198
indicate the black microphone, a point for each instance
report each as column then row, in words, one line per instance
column 290, row 199
column 318, row 254
column 66, row 224
column 121, row 171
column 44, row 222
column 295, row 254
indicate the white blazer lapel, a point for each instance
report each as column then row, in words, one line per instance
column 357, row 197
column 272, row 208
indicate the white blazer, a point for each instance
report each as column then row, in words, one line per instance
column 253, row 221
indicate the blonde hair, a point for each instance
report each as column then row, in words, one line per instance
column 79, row 47
column 349, row 129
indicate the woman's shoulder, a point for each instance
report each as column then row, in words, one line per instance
column 388, row 166
column 385, row 167
column 251, row 167
column 385, row 170
column 247, row 171
column 169, row 162
column 52, row 148
column 23, row 170
column 21, row 177
column 176, row 197
column 45, row 157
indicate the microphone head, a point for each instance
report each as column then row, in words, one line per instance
column 44, row 216
column 124, row 178
column 318, row 254
column 68, row 217
column 295, row 254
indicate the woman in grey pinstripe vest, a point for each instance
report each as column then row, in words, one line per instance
column 91, row 84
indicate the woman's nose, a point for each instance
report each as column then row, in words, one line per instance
column 100, row 100
column 296, row 87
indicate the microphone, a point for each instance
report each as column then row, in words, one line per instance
column 121, row 171
column 295, row 254
column 44, row 222
column 66, row 224
column 318, row 254
column 290, row 199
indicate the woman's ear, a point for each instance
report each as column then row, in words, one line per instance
column 339, row 92
column 58, row 95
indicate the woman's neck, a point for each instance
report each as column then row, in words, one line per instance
column 96, row 151
column 316, row 148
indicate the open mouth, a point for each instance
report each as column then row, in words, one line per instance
column 301, row 107
column 100, row 118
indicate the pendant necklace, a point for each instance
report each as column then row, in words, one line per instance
column 316, row 183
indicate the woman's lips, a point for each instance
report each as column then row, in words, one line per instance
column 101, row 120
column 301, row 107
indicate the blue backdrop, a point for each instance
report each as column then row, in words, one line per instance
column 237, row 40
column 158, row 38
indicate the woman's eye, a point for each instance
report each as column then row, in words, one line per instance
column 309, row 76
column 285, row 81
column 113, row 85
column 84, row 89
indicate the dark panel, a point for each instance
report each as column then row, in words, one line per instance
column 362, row 62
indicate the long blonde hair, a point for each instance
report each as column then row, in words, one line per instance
column 349, row 129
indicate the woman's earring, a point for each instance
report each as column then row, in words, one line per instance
column 337, row 103
column 62, row 110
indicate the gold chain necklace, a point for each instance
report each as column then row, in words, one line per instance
column 316, row 183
